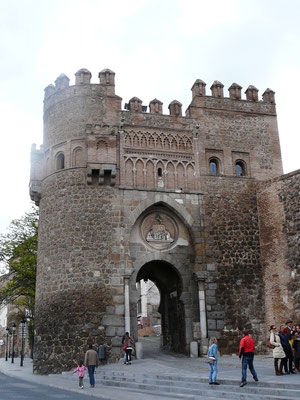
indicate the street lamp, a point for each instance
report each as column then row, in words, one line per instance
column 6, row 350
column 14, row 327
column 23, row 322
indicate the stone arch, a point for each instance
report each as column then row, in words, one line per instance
column 159, row 144
column 78, row 157
column 144, row 141
column 135, row 140
column 180, row 175
column 160, row 173
column 190, row 175
column 214, row 166
column 181, row 144
column 139, row 167
column 129, row 172
column 172, row 272
column 151, row 141
column 59, row 161
column 127, row 140
column 166, row 144
column 188, row 143
column 169, row 282
column 155, row 256
column 240, row 168
column 174, row 144
column 102, row 150
column 149, row 174
column 164, row 199
column 170, row 175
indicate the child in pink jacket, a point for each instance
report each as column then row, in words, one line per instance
column 81, row 370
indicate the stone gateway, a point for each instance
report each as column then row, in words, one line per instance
column 196, row 203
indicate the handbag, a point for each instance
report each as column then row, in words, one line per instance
column 210, row 360
column 271, row 346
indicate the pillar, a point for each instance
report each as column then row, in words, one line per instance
column 127, row 306
column 202, row 312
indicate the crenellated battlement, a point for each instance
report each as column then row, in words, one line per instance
column 106, row 87
column 85, row 126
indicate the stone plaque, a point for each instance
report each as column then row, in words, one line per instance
column 158, row 230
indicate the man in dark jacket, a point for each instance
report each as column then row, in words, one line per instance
column 246, row 350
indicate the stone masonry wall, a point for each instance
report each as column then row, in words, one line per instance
column 229, row 132
column 79, row 283
column 67, row 113
column 233, row 262
column 279, row 204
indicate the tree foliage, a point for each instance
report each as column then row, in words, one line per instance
column 18, row 258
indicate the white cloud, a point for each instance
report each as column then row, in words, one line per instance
column 157, row 49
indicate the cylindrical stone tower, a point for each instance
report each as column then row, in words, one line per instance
column 75, row 284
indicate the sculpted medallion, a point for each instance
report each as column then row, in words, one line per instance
column 159, row 230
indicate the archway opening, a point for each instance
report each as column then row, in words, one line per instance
column 171, row 308
column 148, row 316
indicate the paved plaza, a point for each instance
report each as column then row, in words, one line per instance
column 145, row 375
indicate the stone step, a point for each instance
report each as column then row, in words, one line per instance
column 197, row 380
column 210, row 392
column 184, row 388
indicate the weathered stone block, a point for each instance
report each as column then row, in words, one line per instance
column 113, row 320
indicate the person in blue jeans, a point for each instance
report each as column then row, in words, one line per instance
column 246, row 350
column 91, row 361
column 213, row 368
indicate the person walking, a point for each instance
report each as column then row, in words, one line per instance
column 213, row 368
column 246, row 350
column 81, row 368
column 128, row 348
column 124, row 352
column 91, row 362
column 278, row 353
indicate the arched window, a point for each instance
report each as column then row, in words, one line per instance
column 159, row 172
column 240, row 168
column 60, row 161
column 214, row 168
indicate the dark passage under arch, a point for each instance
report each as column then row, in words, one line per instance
column 171, row 308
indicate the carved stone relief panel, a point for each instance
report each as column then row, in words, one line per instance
column 159, row 230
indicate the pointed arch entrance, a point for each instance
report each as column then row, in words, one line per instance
column 171, row 308
column 162, row 251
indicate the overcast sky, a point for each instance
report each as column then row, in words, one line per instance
column 157, row 48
